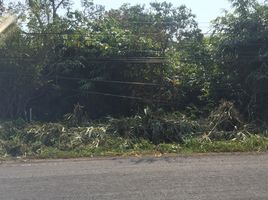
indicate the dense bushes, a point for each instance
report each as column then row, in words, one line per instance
column 117, row 62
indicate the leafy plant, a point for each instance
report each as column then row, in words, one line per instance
column 154, row 126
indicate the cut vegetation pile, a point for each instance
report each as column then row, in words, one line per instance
column 151, row 132
column 225, row 123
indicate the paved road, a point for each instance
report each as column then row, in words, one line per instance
column 211, row 177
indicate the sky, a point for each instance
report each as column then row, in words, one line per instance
column 205, row 10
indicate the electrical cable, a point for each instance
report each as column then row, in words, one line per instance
column 86, row 79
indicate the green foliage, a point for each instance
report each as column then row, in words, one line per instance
column 73, row 53
column 155, row 126
column 31, row 138
column 240, row 41
column 19, row 138
column 94, row 141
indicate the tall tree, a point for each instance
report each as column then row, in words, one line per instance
column 242, row 51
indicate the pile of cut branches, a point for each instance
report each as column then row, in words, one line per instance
column 225, row 123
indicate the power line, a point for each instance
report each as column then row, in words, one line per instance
column 86, row 79
column 108, row 81
column 129, row 60
column 152, row 60
column 115, row 95
column 121, row 96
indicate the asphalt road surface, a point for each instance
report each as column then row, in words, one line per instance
column 209, row 177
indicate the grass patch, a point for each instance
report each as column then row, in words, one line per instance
column 115, row 147
column 120, row 147
column 253, row 143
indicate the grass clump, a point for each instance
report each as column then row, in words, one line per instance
column 191, row 145
column 253, row 143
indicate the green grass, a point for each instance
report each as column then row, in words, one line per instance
column 116, row 148
column 250, row 144
column 120, row 147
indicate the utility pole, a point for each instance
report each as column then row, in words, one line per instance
column 6, row 22
column 6, row 19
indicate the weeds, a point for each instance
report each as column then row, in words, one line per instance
column 155, row 127
column 152, row 132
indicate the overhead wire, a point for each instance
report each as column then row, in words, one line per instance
column 103, row 93
column 59, row 77
column 142, row 60
column 145, row 100
column 87, row 92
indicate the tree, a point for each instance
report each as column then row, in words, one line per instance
column 241, row 45
column 126, row 58
column 26, row 55
column 137, row 33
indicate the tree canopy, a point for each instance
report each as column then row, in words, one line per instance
column 117, row 62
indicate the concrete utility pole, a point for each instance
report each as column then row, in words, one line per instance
column 6, row 22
